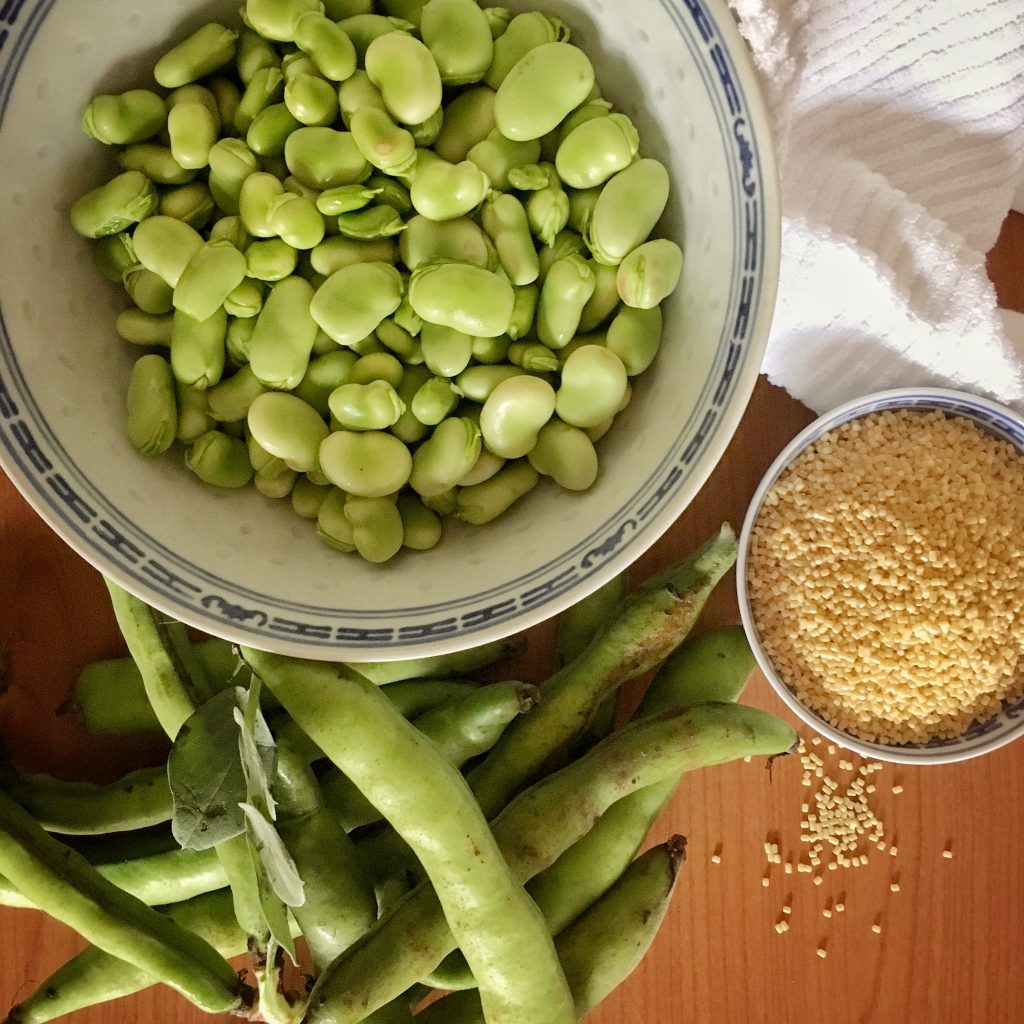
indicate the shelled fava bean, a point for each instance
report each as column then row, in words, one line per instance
column 392, row 271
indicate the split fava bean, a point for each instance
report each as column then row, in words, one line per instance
column 323, row 158
column 270, row 129
column 109, row 209
column 626, row 212
column 212, row 274
column 324, row 375
column 382, row 142
column 505, row 221
column 524, row 33
column 156, row 162
column 514, row 413
column 407, row 428
column 165, row 246
column 446, row 352
column 365, row 27
column 334, row 254
column 355, row 299
column 483, row 503
column 635, row 336
column 499, row 157
column 192, row 203
column 152, row 406
column 596, row 150
column 133, row 116
column 246, row 300
column 197, row 349
column 566, row 454
column 312, row 100
column 436, row 399
column 407, row 76
column 284, row 334
column 272, row 259
column 593, row 386
column 468, row 119
column 444, row 191
column 369, row 464
column 372, row 406
column 258, row 193
column 296, row 220
column 377, row 527
column 486, row 466
column 193, row 131
column 421, row 528
column 372, row 222
column 265, row 88
column 194, row 419
column 288, row 428
column 150, row 293
column 567, row 289
column 230, row 400
column 650, row 273
column 547, row 84
column 220, row 460
column 277, row 19
column 231, row 163
column 461, row 240
column 141, row 328
column 442, row 461
column 355, row 92
column 346, row 199
column 462, row 297
column 327, row 44
column 331, row 525
column 458, row 36
column 205, row 51
column 605, row 299
column 524, row 311
column 253, row 53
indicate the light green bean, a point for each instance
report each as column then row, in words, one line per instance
column 133, row 116
column 152, row 406
column 463, row 297
column 205, row 51
column 404, row 71
column 355, row 299
column 370, row 464
column 458, row 36
column 197, row 349
column 109, row 209
column 482, row 503
column 282, row 342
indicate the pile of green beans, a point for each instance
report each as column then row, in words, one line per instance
column 390, row 267
column 441, row 841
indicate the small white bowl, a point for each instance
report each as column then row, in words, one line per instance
column 246, row 568
column 981, row 737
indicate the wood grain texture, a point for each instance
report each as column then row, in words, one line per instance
column 947, row 950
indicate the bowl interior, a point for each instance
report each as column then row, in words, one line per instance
column 997, row 420
column 248, row 568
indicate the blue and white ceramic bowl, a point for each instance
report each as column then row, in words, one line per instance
column 980, row 738
column 247, row 568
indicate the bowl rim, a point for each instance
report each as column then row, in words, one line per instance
column 712, row 27
column 856, row 408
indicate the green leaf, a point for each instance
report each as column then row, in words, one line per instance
column 281, row 871
column 256, row 750
column 206, row 776
column 275, row 913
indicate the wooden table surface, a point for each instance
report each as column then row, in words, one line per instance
column 948, row 948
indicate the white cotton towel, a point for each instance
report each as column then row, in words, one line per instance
column 900, row 131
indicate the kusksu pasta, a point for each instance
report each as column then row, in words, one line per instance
column 886, row 576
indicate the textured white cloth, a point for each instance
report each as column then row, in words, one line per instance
column 900, row 130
